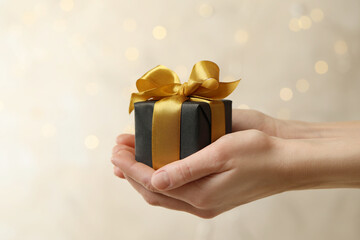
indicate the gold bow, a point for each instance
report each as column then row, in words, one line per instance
column 161, row 83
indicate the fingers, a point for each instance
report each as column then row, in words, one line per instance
column 117, row 148
column 115, row 152
column 118, row 172
column 125, row 160
column 157, row 199
column 195, row 194
column 126, row 139
column 244, row 119
column 207, row 161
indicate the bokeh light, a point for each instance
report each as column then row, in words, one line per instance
column 302, row 85
column 132, row 53
column 305, row 22
column 321, row 67
column 286, row 94
column 340, row 47
column 91, row 142
column 317, row 15
column 205, row 10
column 241, row 36
column 67, row 5
column 159, row 32
column 294, row 25
column 129, row 25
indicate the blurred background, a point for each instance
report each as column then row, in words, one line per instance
column 67, row 68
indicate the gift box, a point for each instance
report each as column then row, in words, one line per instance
column 195, row 128
column 174, row 120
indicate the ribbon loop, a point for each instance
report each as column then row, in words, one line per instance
column 161, row 82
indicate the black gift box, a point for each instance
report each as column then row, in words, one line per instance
column 195, row 129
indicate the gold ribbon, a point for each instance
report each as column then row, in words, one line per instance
column 162, row 84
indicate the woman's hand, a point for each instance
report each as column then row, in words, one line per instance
column 238, row 168
column 243, row 166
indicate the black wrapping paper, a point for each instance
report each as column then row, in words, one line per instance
column 195, row 129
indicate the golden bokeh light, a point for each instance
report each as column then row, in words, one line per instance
column 243, row 106
column 294, row 25
column 91, row 142
column 302, row 85
column 321, row 67
column 317, row 15
column 340, row 47
column 286, row 94
column 205, row 10
column 129, row 25
column 92, row 88
column 283, row 113
column 305, row 22
column 67, row 5
column 159, row 32
column 132, row 53
column 241, row 36
column 48, row 130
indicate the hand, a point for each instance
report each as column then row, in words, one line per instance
column 248, row 165
column 238, row 168
column 241, row 120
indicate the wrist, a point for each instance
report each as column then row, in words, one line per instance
column 298, row 129
column 321, row 163
column 290, row 129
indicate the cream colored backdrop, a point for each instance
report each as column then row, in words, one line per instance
column 66, row 72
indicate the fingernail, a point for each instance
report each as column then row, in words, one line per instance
column 161, row 180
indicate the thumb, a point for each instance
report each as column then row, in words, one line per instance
column 200, row 164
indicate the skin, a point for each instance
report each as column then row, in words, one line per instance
column 262, row 157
